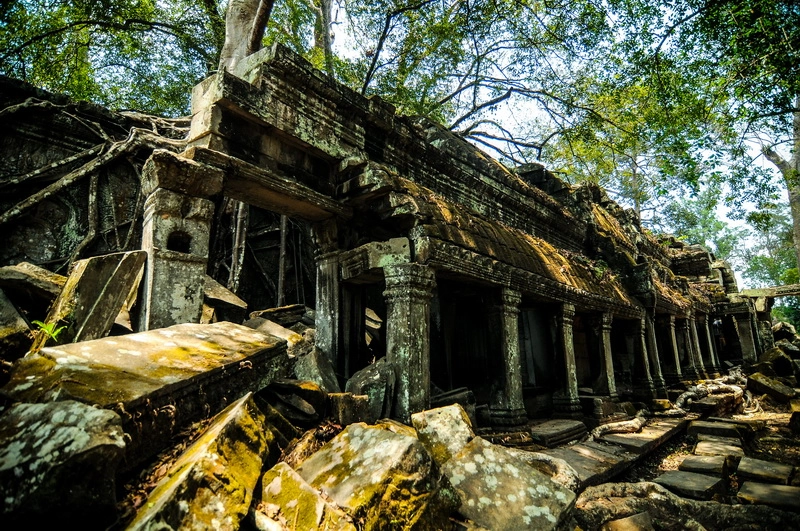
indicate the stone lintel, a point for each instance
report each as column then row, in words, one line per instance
column 165, row 169
column 369, row 259
column 267, row 187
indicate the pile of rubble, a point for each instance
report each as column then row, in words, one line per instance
column 245, row 426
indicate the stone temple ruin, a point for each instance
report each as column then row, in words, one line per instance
column 509, row 291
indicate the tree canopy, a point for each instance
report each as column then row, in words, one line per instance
column 653, row 100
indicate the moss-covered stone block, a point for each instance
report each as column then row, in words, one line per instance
column 211, row 485
column 385, row 479
column 443, row 431
column 287, row 500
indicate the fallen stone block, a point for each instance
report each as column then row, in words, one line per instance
column 92, row 297
column 31, row 288
column 761, row 384
column 443, row 431
column 691, row 484
column 265, row 326
column 15, row 338
column 347, row 408
column 779, row 496
column 713, row 465
column 783, row 331
column 637, row 522
column 317, row 367
column 382, row 478
column 377, row 381
column 159, row 381
column 227, row 306
column 211, row 485
column 58, row 463
column 764, row 471
column 789, row 346
column 557, row 431
column 287, row 502
column 794, row 422
column 499, row 491
column 301, row 402
column 284, row 315
column 780, row 361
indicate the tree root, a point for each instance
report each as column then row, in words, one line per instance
column 137, row 139
column 626, row 426
column 603, row 503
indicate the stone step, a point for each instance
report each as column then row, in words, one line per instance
column 733, row 441
column 650, row 437
column 764, row 471
column 713, row 465
column 779, row 496
column 717, row 448
column 554, row 432
column 749, row 425
column 691, row 484
column 590, row 471
column 719, row 429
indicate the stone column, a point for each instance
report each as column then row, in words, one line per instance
column 607, row 371
column 713, row 361
column 643, row 384
column 566, row 401
column 690, row 369
column 746, row 340
column 328, row 292
column 698, row 353
column 175, row 234
column 409, row 288
column 655, row 362
column 507, row 407
column 674, row 347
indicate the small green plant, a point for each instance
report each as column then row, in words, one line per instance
column 51, row 329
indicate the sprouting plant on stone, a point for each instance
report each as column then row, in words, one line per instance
column 51, row 329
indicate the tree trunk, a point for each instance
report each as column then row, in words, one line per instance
column 790, row 170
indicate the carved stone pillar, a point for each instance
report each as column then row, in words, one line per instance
column 507, row 407
column 566, row 401
column 653, row 357
column 673, row 347
column 328, row 293
column 175, row 234
column 698, row 353
column 606, row 359
column 409, row 288
column 643, row 381
column 713, row 362
column 746, row 339
column 689, row 367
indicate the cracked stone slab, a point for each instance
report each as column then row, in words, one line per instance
column 159, row 381
column 690, row 484
column 500, row 491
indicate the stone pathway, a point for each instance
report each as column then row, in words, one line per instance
column 719, row 452
column 598, row 461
